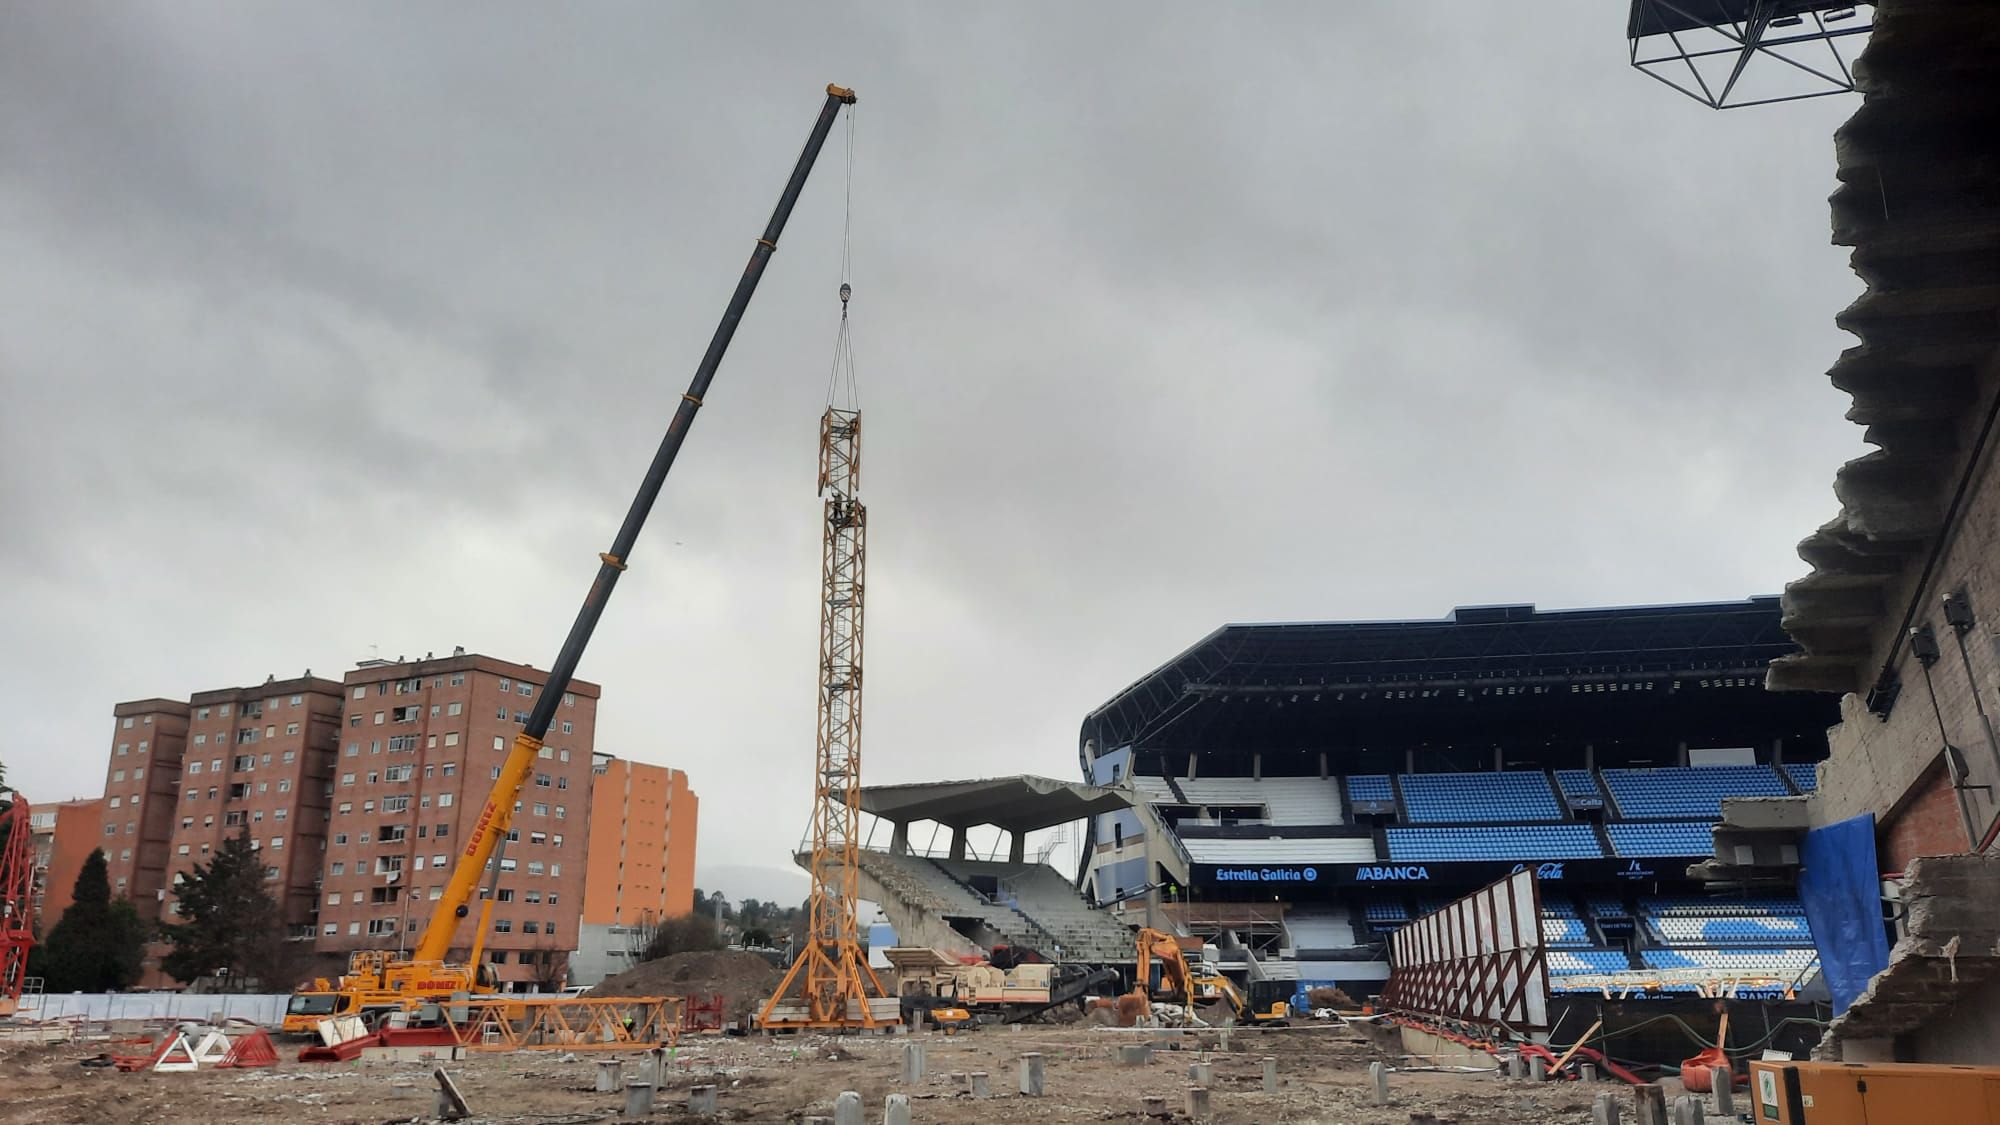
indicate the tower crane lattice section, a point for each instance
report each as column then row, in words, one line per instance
column 831, row 984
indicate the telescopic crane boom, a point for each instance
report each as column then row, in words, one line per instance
column 424, row 975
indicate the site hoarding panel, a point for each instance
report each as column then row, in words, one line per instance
column 1479, row 958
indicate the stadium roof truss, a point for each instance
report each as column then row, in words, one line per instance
column 1473, row 647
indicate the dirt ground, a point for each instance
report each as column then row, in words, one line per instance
column 1323, row 1071
column 744, row 980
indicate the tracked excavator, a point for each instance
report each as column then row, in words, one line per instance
column 380, row 981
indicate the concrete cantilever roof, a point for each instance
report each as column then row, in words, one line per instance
column 1022, row 803
column 1919, row 202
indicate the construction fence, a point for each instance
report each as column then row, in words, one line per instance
column 266, row 1009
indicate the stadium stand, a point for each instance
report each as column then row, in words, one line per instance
column 1459, row 798
column 1388, row 911
column 1805, row 775
column 1039, row 894
column 1688, row 791
column 1350, row 849
column 1782, row 963
column 1568, row 962
column 1564, row 932
column 1603, row 908
column 1320, row 929
column 1579, row 785
column 1499, row 842
column 1284, row 800
column 1683, row 838
column 1371, row 787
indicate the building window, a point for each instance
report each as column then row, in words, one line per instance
column 442, row 830
column 524, row 689
column 541, row 809
column 451, row 738
column 201, row 740
column 291, row 728
column 194, row 767
column 555, row 872
column 569, row 699
column 116, row 802
column 505, row 686
column 436, row 893
column 444, row 802
column 562, row 783
column 354, row 927
column 118, row 775
column 354, row 720
column 546, row 752
column 201, row 713
column 398, row 773
column 439, row 860
column 347, row 779
column 530, row 927
column 538, row 837
column 333, row 898
column 340, row 837
column 550, row 929
column 559, row 812
column 277, row 841
column 378, row 717
column 361, row 692
column 233, row 820
column 521, row 718
column 544, row 781
column 536, row 867
column 395, row 804
column 291, row 755
column 373, row 777
column 556, row 840
column 454, row 709
column 506, row 895
column 450, row 768
column 127, row 723
column 503, row 925
column 111, row 830
column 284, row 785
column 407, row 714
column 338, row 869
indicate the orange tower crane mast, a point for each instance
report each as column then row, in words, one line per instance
column 831, row 983
column 17, row 900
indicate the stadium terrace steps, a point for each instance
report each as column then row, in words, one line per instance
column 1312, row 928
column 1039, row 894
column 1805, row 775
column 1278, row 800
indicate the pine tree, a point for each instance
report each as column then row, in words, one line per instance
column 232, row 926
column 98, row 944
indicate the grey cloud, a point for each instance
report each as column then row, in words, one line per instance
column 349, row 326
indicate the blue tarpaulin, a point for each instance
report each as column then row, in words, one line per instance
column 1842, row 893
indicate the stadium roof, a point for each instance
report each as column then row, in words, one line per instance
column 1022, row 803
column 1473, row 646
column 1915, row 201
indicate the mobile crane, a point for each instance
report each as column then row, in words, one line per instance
column 379, row 980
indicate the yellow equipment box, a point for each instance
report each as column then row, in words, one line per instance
column 1816, row 1093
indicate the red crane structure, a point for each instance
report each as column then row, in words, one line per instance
column 17, row 902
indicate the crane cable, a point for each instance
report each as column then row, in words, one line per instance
column 840, row 380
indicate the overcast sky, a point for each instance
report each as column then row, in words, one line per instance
column 343, row 330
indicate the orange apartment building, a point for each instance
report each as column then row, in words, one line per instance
column 642, row 833
column 420, row 744
column 63, row 835
column 258, row 760
column 140, row 785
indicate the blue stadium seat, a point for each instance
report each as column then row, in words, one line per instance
column 1572, row 962
column 1579, row 785
column 1385, row 912
column 1805, row 775
column 1525, row 843
column 1681, row 838
column 1458, row 798
column 1688, row 791
column 1370, row 787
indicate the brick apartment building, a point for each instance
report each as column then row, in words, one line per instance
column 642, row 833
column 642, row 844
column 140, row 785
column 258, row 759
column 359, row 794
column 420, row 744
column 62, row 836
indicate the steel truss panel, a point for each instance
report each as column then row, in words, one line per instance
column 1479, row 959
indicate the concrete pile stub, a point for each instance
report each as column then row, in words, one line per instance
column 1604, row 1110
column 1725, row 1094
column 1032, row 1074
column 976, row 1082
column 1270, row 1074
column 610, row 1076
column 1538, row 1069
column 913, row 1062
column 847, row 1108
column 1649, row 1105
column 638, row 1099
column 1201, row 1073
column 896, row 1110
column 701, row 1099
column 1197, row 1102
column 1134, row 1054
column 1379, row 1076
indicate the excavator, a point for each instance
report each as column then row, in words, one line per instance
column 1189, row 986
column 382, row 981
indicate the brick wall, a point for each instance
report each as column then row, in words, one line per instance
column 1929, row 823
column 1882, row 765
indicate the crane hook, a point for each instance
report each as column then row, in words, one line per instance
column 846, row 291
